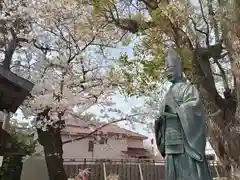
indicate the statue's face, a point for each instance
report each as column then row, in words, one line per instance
column 170, row 71
column 173, row 66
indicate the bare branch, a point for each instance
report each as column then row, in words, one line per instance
column 216, row 34
column 10, row 48
column 206, row 22
column 43, row 48
column 97, row 129
column 214, row 21
column 88, row 44
column 91, row 133
column 223, row 74
column 151, row 4
column 130, row 25
column 195, row 26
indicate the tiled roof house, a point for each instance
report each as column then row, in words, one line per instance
column 109, row 142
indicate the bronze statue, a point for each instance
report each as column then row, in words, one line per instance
column 180, row 128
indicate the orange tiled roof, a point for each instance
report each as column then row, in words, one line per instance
column 82, row 128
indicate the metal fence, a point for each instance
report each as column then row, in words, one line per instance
column 126, row 169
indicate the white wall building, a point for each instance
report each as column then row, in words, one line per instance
column 210, row 153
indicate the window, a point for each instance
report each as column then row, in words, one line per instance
column 210, row 157
column 118, row 137
column 90, row 146
column 103, row 140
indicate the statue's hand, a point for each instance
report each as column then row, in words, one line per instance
column 173, row 115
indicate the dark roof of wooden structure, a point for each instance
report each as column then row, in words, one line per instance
column 13, row 90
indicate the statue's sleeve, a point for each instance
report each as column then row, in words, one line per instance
column 159, row 135
column 192, row 117
column 159, row 128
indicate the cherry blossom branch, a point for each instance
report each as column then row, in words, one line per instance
column 94, row 131
column 97, row 129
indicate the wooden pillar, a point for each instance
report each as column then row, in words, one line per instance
column 104, row 171
column 6, row 121
column 140, row 171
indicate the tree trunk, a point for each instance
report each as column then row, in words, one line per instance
column 226, row 145
column 52, row 143
column 222, row 123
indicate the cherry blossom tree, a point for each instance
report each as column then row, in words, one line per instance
column 14, row 28
column 60, row 47
column 65, row 59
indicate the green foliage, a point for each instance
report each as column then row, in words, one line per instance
column 100, row 5
column 139, row 75
column 142, row 73
column 22, row 137
column 187, row 56
column 168, row 14
column 11, row 169
column 27, row 144
column 96, row 5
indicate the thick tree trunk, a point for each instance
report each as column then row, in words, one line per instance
column 52, row 143
column 226, row 145
column 222, row 122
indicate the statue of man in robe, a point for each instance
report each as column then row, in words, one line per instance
column 180, row 128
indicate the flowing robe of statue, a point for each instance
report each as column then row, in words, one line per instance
column 180, row 132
